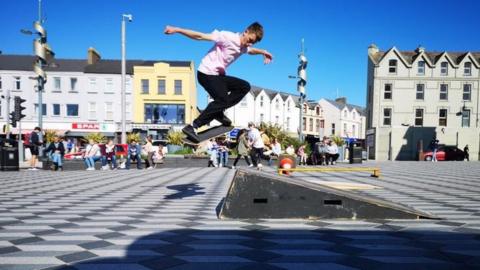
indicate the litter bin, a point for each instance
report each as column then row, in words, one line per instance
column 9, row 155
column 355, row 153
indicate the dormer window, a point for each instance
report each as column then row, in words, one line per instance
column 467, row 69
column 421, row 68
column 444, row 68
column 392, row 66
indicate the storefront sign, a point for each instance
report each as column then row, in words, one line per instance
column 89, row 126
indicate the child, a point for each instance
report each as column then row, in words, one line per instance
column 211, row 73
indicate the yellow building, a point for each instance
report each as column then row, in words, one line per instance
column 164, row 96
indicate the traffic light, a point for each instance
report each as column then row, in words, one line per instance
column 302, row 74
column 13, row 120
column 18, row 109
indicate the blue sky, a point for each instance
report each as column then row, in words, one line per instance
column 336, row 33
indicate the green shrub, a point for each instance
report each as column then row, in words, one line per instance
column 98, row 137
column 175, row 137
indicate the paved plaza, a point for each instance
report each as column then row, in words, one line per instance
column 167, row 219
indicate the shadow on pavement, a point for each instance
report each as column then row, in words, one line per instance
column 256, row 247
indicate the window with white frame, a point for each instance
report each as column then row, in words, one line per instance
column 277, row 119
column 333, row 129
column 387, row 116
column 465, row 118
column 392, row 66
column 443, row 91
column 322, row 123
column 387, row 93
column 277, row 104
column 92, row 85
column 444, row 68
column 178, row 87
column 420, row 94
column 0, row 82
column 243, row 102
column 162, row 89
column 442, row 117
column 304, row 124
column 72, row 109
column 467, row 69
column 317, row 124
column 310, row 124
column 108, row 111
column 73, row 84
column 261, row 117
column 354, row 115
column 56, row 109
column 44, row 109
column 17, row 84
column 288, row 106
column 128, row 111
column 287, row 124
column 317, row 110
column 57, row 84
column 128, row 85
column 92, row 111
column 345, row 114
column 418, row 117
column 109, row 85
column 261, row 101
column 354, row 131
column 467, row 92
column 145, row 87
column 421, row 68
column 345, row 129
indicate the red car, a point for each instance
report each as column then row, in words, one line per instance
column 446, row 152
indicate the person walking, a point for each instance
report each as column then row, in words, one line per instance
column 226, row 91
column 466, row 151
column 256, row 144
column 242, row 148
column 434, row 147
column 35, row 142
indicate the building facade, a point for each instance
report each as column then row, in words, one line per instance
column 342, row 119
column 84, row 95
column 165, row 97
column 414, row 96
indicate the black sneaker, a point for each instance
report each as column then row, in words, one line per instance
column 225, row 121
column 190, row 132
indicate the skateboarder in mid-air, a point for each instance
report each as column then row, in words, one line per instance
column 226, row 91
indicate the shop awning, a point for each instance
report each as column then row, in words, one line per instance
column 84, row 133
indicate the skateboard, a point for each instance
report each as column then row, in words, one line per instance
column 208, row 134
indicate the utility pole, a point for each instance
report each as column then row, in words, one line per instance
column 123, row 94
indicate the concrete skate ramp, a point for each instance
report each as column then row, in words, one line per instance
column 255, row 194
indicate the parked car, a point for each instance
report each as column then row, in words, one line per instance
column 446, row 152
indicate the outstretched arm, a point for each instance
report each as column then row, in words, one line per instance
column 267, row 57
column 188, row 33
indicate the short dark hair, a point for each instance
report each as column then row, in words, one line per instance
column 37, row 128
column 257, row 29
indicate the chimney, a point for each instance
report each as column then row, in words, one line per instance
column 420, row 49
column 93, row 56
column 341, row 100
column 372, row 49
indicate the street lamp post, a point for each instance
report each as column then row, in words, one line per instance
column 302, row 81
column 123, row 102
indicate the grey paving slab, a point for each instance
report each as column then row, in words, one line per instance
column 166, row 219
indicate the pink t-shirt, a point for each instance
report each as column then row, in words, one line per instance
column 226, row 50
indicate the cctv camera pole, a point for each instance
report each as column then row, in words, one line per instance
column 123, row 102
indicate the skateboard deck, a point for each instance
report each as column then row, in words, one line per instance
column 208, row 134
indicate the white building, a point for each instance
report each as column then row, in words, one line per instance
column 342, row 119
column 413, row 96
column 79, row 96
column 269, row 106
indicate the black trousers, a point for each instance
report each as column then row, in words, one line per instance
column 238, row 158
column 226, row 91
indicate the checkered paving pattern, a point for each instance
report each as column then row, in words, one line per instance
column 166, row 219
